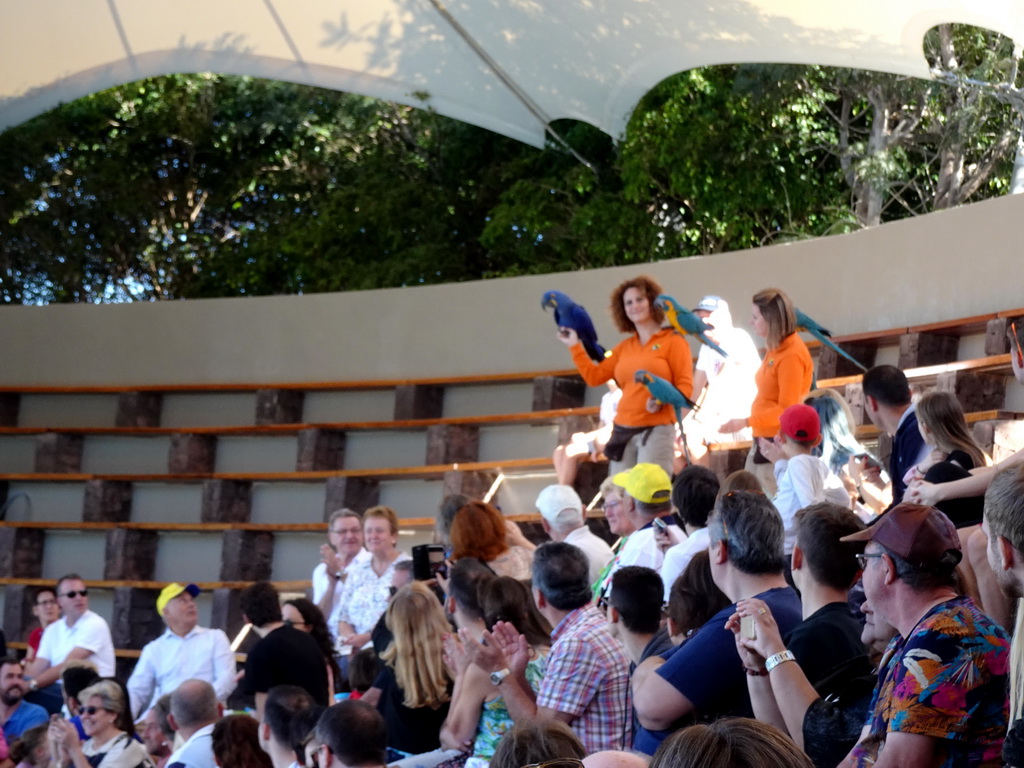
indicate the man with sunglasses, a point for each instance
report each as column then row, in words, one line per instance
column 80, row 634
column 941, row 695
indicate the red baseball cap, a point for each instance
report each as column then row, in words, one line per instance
column 800, row 422
column 923, row 536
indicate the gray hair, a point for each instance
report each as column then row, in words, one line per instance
column 561, row 572
column 194, row 702
column 1004, row 506
column 752, row 529
column 110, row 694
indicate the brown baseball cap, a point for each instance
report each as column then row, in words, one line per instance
column 923, row 536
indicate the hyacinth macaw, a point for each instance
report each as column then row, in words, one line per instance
column 805, row 323
column 685, row 322
column 569, row 314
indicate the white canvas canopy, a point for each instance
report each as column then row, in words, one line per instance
column 508, row 65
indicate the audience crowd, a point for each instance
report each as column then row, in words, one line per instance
column 829, row 612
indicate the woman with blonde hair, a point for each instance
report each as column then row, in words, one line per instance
column 955, row 452
column 103, row 704
column 644, row 430
column 479, row 531
column 414, row 681
column 369, row 581
column 784, row 378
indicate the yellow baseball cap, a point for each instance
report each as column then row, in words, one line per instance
column 171, row 591
column 648, row 483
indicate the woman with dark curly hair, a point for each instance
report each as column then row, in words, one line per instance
column 236, row 743
column 303, row 614
column 644, row 430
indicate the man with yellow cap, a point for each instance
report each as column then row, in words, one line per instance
column 647, row 500
column 185, row 651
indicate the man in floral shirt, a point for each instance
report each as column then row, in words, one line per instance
column 941, row 697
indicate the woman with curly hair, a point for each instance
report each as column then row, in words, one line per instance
column 479, row 531
column 236, row 743
column 414, row 682
column 644, row 430
column 304, row 615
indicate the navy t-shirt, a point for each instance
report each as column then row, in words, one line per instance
column 707, row 670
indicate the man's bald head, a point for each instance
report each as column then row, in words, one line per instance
column 194, row 705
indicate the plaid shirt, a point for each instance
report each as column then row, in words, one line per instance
column 588, row 677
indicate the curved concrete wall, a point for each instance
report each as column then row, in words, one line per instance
column 945, row 265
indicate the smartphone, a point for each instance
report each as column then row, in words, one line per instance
column 660, row 524
column 748, row 627
column 428, row 561
column 869, row 460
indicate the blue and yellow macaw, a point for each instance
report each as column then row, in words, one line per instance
column 685, row 322
column 805, row 323
column 665, row 392
column 569, row 314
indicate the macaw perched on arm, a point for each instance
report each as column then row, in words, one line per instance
column 805, row 323
column 685, row 322
column 569, row 314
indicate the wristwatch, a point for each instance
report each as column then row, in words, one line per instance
column 773, row 661
column 501, row 674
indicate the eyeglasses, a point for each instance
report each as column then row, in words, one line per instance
column 93, row 710
column 73, row 594
column 558, row 762
column 43, row 603
column 290, row 623
column 863, row 558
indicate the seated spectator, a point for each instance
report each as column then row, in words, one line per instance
column 586, row 683
column 704, row 676
column 16, row 714
column 732, row 742
column 47, row 611
column 952, row 708
column 194, row 711
column 236, row 744
column 157, row 733
column 615, row 758
column 108, row 746
column 478, row 715
column 563, row 519
column 185, row 651
column 450, row 505
column 587, row 446
column 647, row 496
column 303, row 615
column 362, row 671
column 802, row 478
column 80, row 635
column 954, row 453
column 283, row 703
column 888, row 403
column 825, row 723
column 620, row 524
column 344, row 546
column 841, row 450
column 367, row 587
column 31, row 749
column 352, row 734
column 303, row 727
column 693, row 599
column 284, row 655
column 534, row 742
column 77, row 676
column 479, row 530
column 740, row 480
column 694, row 491
column 415, row 686
column 634, row 613
column 824, row 571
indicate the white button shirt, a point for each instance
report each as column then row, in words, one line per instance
column 170, row 660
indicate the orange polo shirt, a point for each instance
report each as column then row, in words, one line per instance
column 666, row 354
column 783, row 379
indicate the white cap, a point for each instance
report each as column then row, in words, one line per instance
column 559, row 504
